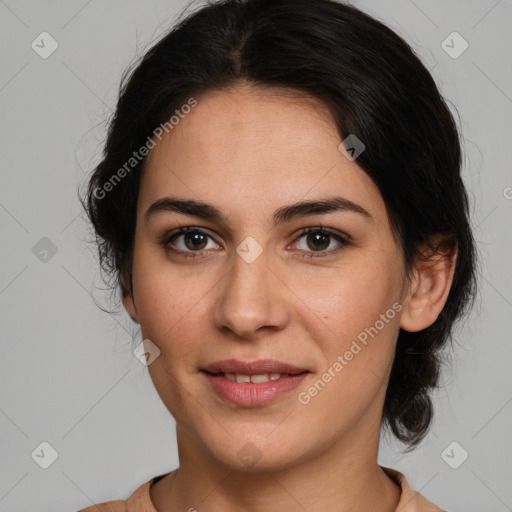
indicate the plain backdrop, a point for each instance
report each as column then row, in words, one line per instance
column 68, row 376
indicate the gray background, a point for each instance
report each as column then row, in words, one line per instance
column 67, row 372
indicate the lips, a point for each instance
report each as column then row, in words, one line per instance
column 254, row 383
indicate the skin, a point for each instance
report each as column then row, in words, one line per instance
column 248, row 152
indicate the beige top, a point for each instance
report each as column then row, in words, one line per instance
column 140, row 500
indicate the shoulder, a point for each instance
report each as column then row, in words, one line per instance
column 139, row 500
column 410, row 500
column 108, row 506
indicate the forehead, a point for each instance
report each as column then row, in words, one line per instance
column 252, row 146
column 272, row 122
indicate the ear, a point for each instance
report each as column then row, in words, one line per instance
column 430, row 286
column 128, row 301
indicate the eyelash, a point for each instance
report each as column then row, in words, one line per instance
column 344, row 241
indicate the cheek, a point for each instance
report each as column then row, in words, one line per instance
column 358, row 343
column 171, row 311
column 353, row 296
column 359, row 308
column 169, row 297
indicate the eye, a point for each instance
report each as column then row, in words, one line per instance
column 319, row 238
column 188, row 241
column 191, row 242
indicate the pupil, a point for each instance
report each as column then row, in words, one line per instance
column 316, row 237
column 196, row 238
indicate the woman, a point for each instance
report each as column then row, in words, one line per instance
column 281, row 206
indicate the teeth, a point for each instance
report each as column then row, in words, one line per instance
column 263, row 377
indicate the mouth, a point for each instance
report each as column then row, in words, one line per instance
column 258, row 378
column 251, row 384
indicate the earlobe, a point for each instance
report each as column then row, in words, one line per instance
column 429, row 289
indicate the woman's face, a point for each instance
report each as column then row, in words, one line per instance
column 249, row 285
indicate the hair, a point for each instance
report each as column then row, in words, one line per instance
column 374, row 86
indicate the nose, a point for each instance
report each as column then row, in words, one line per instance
column 251, row 299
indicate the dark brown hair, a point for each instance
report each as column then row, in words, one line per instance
column 375, row 87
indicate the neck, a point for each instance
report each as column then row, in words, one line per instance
column 344, row 478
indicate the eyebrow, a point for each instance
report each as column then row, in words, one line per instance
column 283, row 214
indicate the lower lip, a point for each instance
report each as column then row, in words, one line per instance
column 250, row 394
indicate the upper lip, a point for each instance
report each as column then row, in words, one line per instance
column 252, row 367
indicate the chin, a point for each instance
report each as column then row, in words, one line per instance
column 257, row 453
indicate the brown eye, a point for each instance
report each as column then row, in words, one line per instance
column 195, row 241
column 319, row 239
column 187, row 241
